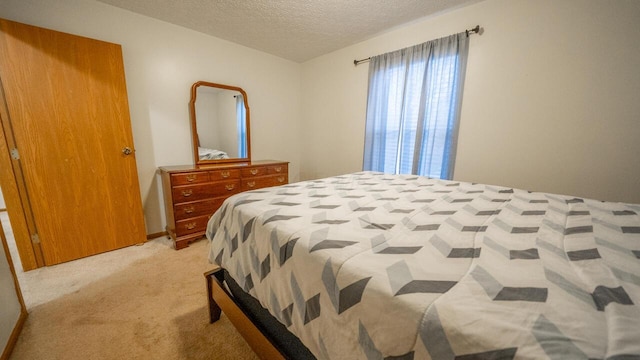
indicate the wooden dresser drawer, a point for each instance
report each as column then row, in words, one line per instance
column 255, row 171
column 197, row 208
column 262, row 182
column 278, row 169
column 224, row 174
column 189, row 193
column 192, row 225
column 189, row 178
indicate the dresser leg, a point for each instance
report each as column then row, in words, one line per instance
column 181, row 244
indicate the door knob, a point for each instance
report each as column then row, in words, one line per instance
column 127, row 150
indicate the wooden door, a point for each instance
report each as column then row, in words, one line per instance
column 68, row 109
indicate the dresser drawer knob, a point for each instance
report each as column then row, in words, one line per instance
column 225, row 174
column 189, row 209
column 191, row 226
column 187, row 193
column 191, row 178
column 230, row 187
column 251, row 184
column 280, row 178
column 278, row 169
column 253, row 171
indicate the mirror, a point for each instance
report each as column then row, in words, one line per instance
column 219, row 123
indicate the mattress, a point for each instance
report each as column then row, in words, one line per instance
column 369, row 265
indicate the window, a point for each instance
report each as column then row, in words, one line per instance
column 413, row 108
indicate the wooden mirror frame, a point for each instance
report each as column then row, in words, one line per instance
column 194, row 129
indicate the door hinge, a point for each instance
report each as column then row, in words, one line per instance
column 35, row 239
column 15, row 155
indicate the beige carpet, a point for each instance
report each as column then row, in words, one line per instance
column 153, row 308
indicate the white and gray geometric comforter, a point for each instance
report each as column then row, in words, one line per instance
column 373, row 266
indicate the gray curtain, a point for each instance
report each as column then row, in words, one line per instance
column 241, row 121
column 413, row 108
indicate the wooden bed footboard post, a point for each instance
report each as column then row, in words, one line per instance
column 211, row 276
column 219, row 299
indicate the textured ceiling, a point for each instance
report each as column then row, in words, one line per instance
column 297, row 30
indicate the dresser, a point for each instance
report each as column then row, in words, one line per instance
column 192, row 194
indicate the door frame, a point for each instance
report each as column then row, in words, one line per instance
column 16, row 196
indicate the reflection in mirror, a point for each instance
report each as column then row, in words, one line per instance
column 220, row 123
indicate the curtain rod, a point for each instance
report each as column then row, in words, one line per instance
column 475, row 30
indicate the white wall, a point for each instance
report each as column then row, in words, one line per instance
column 228, row 122
column 207, row 118
column 550, row 102
column 161, row 62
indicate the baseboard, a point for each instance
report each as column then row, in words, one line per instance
column 13, row 339
column 156, row 235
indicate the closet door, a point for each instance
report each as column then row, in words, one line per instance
column 68, row 109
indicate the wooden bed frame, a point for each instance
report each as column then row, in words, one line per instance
column 220, row 299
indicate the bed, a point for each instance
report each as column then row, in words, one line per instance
column 376, row 266
column 211, row 154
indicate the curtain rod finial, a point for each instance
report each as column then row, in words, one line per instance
column 475, row 30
